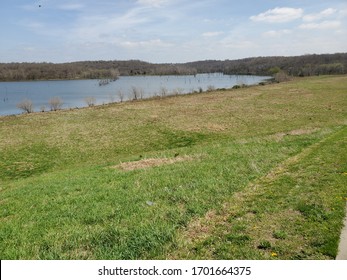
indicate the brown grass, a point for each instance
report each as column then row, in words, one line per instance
column 150, row 162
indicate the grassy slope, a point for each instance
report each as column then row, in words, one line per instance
column 266, row 177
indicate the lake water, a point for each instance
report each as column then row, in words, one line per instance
column 73, row 93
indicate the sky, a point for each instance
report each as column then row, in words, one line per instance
column 169, row 31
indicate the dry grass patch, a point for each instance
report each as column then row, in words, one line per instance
column 150, row 162
column 296, row 132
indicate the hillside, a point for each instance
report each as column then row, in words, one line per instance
column 306, row 65
column 251, row 173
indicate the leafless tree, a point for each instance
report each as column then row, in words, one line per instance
column 55, row 103
column 211, row 88
column 135, row 93
column 163, row 91
column 90, row 100
column 26, row 105
column 281, row 76
column 178, row 91
column 121, row 95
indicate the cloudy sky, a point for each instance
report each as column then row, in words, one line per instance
column 169, row 30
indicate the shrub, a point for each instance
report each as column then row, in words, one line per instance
column 264, row 245
column 178, row 91
column 90, row 100
column 281, row 77
column 55, row 103
column 135, row 93
column 120, row 95
column 26, row 105
column 211, row 88
column 163, row 91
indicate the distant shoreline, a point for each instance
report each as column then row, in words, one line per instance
column 305, row 65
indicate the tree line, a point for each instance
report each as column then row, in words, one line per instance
column 305, row 65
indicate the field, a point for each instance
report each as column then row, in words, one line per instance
column 251, row 173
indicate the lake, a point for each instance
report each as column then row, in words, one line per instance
column 73, row 93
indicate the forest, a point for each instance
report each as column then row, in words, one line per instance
column 305, row 65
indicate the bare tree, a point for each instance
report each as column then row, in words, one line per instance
column 121, row 95
column 210, row 88
column 163, row 91
column 178, row 91
column 281, row 76
column 90, row 100
column 111, row 98
column 55, row 103
column 26, row 105
column 135, row 93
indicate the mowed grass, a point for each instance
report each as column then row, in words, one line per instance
column 253, row 173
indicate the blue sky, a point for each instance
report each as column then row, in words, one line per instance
column 168, row 30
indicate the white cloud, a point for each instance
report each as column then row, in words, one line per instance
column 153, row 3
column 92, row 28
column 327, row 24
column 278, row 15
column 276, row 33
column 323, row 14
column 154, row 30
column 212, row 34
column 149, row 43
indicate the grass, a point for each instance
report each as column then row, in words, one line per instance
column 252, row 173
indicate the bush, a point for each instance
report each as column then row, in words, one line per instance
column 178, row 91
column 281, row 77
column 26, row 105
column 120, row 95
column 135, row 93
column 211, row 88
column 163, row 91
column 55, row 103
column 90, row 101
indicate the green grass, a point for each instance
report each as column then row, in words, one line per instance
column 266, row 177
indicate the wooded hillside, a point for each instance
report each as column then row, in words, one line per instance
column 306, row 65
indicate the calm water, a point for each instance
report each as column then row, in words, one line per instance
column 73, row 93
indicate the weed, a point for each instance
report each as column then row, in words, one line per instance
column 280, row 234
column 264, row 245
